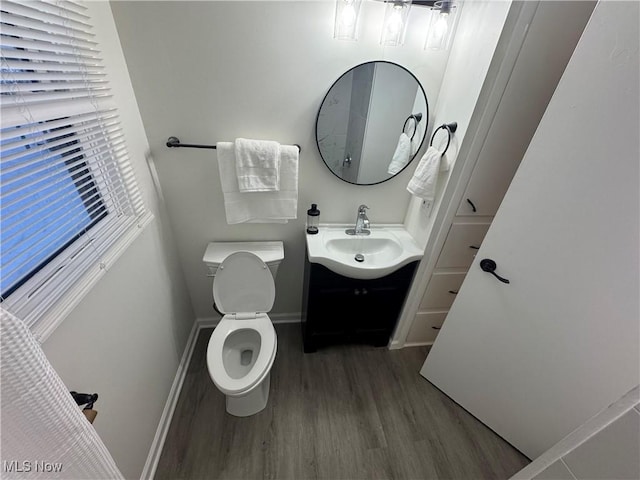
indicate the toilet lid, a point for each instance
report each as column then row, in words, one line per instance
column 243, row 284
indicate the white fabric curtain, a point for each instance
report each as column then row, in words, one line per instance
column 43, row 432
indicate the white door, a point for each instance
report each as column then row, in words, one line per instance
column 535, row 358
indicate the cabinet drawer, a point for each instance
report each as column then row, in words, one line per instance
column 422, row 330
column 457, row 251
column 497, row 164
column 438, row 293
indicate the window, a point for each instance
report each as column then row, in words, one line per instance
column 68, row 193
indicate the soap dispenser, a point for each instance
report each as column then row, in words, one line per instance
column 313, row 219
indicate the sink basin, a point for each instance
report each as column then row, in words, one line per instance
column 384, row 251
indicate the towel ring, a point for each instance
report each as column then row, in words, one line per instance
column 450, row 128
column 416, row 119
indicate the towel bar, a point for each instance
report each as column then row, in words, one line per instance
column 174, row 142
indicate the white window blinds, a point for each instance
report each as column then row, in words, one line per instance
column 68, row 193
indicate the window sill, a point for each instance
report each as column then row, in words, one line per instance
column 56, row 315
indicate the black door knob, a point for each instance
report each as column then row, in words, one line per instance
column 490, row 266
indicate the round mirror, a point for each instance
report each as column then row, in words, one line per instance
column 372, row 122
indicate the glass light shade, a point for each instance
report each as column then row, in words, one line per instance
column 395, row 23
column 346, row 24
column 442, row 23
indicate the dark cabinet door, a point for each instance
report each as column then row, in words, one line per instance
column 379, row 307
column 339, row 309
column 332, row 310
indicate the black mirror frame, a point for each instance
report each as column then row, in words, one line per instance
column 426, row 126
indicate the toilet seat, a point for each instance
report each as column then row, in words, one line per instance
column 244, row 285
column 215, row 350
column 244, row 290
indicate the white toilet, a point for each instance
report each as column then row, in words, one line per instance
column 243, row 345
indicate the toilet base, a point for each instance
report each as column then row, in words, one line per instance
column 252, row 402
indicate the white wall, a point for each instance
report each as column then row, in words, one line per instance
column 126, row 337
column 213, row 71
column 479, row 29
column 536, row 40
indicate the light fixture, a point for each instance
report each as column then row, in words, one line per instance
column 346, row 23
column 442, row 23
column 395, row 22
column 443, row 20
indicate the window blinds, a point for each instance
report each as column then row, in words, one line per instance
column 68, row 192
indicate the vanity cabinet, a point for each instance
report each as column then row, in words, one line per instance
column 337, row 309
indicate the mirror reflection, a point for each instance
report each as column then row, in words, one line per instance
column 372, row 122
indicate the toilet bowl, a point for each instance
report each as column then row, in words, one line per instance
column 242, row 347
column 239, row 358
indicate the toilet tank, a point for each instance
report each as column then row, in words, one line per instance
column 270, row 253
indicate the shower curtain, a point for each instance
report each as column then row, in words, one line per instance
column 43, row 433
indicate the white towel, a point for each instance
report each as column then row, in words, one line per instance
column 401, row 155
column 259, row 207
column 257, row 165
column 425, row 179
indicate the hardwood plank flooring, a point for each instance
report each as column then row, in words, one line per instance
column 345, row 412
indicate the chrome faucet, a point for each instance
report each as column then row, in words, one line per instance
column 362, row 223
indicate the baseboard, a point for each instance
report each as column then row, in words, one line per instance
column 286, row 317
column 207, row 322
column 150, row 466
column 418, row 344
column 397, row 345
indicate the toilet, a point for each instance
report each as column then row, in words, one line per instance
column 243, row 345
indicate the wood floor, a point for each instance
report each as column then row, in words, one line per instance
column 352, row 412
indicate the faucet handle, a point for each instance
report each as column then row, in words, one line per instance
column 362, row 208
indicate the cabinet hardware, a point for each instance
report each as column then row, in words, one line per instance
column 489, row 266
column 454, row 292
column 436, row 328
column 474, row 247
column 473, row 207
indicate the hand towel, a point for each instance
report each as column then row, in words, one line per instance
column 424, row 181
column 257, row 165
column 401, row 155
column 416, row 140
column 259, row 207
